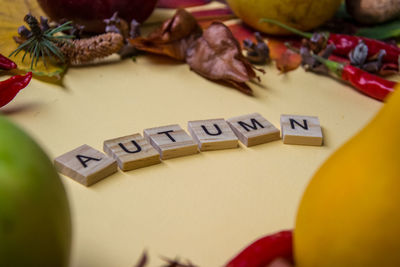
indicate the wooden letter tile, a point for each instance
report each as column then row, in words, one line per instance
column 212, row 134
column 253, row 129
column 131, row 152
column 301, row 130
column 171, row 141
column 86, row 165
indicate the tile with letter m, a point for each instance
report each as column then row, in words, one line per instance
column 253, row 129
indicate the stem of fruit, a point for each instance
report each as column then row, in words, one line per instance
column 333, row 66
column 286, row 27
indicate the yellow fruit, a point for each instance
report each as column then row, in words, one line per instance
column 349, row 214
column 300, row 14
column 35, row 223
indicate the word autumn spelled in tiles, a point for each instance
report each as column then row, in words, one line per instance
column 87, row 165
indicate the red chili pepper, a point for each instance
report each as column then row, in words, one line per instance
column 346, row 43
column 266, row 249
column 367, row 83
column 10, row 87
column 6, row 64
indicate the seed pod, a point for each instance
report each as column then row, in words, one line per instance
column 83, row 51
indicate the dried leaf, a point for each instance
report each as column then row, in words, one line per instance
column 11, row 17
column 142, row 262
column 382, row 31
column 181, row 3
column 217, row 56
column 286, row 60
column 172, row 38
column 177, row 263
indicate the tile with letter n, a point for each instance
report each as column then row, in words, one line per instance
column 171, row 141
column 85, row 165
column 301, row 130
column 131, row 152
column 212, row 134
column 253, row 129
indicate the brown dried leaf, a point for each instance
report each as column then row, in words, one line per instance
column 173, row 38
column 142, row 261
column 217, row 56
column 177, row 263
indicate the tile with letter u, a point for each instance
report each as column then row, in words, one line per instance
column 131, row 152
column 212, row 134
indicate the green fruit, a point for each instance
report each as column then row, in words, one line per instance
column 35, row 223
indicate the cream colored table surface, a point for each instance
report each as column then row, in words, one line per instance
column 203, row 207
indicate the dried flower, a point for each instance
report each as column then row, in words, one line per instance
column 117, row 24
column 358, row 56
column 257, row 53
column 41, row 40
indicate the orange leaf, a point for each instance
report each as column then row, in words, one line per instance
column 286, row 60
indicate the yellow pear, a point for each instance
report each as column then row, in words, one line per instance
column 350, row 211
column 300, row 14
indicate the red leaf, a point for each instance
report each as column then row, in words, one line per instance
column 206, row 17
column 181, row 3
column 242, row 32
column 286, row 60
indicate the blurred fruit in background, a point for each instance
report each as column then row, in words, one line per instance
column 349, row 214
column 35, row 223
column 300, row 14
column 372, row 11
column 91, row 13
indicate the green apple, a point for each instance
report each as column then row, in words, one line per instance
column 35, row 222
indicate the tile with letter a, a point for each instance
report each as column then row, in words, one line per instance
column 171, row 141
column 253, row 129
column 131, row 152
column 86, row 165
column 301, row 130
column 212, row 134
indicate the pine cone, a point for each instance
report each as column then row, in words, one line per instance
column 83, row 51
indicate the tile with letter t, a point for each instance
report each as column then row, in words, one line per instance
column 301, row 130
column 171, row 141
column 131, row 152
column 85, row 165
column 212, row 134
column 253, row 129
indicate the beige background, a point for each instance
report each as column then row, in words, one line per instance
column 204, row 207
